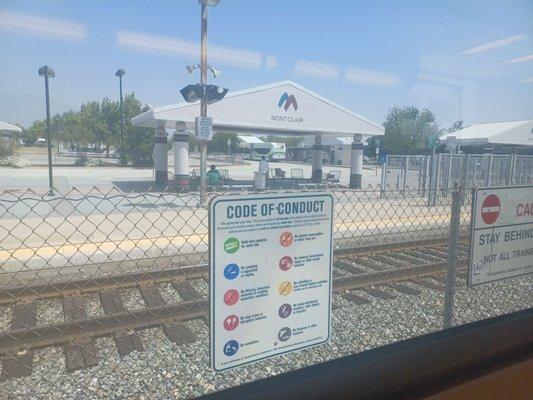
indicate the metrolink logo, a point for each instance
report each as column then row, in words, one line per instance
column 288, row 100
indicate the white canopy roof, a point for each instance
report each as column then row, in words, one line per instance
column 249, row 139
column 283, row 108
column 330, row 141
column 4, row 126
column 516, row 133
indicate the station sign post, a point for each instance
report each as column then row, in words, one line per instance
column 203, row 128
column 271, row 275
column 501, row 245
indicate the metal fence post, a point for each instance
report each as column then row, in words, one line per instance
column 431, row 177
column 405, row 173
column 383, row 179
column 464, row 174
column 489, row 172
column 512, row 163
column 448, row 173
column 423, row 180
column 455, row 220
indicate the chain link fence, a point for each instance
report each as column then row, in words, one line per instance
column 104, row 294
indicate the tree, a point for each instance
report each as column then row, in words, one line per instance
column 137, row 145
column 7, row 148
column 407, row 130
column 456, row 126
column 36, row 130
column 110, row 118
column 219, row 143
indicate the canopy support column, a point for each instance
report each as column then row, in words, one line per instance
column 316, row 174
column 356, row 166
column 161, row 156
column 181, row 158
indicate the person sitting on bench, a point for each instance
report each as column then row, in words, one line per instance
column 213, row 176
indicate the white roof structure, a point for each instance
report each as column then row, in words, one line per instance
column 249, row 139
column 282, row 108
column 516, row 133
column 4, row 126
column 328, row 141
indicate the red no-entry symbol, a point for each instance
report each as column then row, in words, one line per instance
column 231, row 297
column 231, row 322
column 490, row 209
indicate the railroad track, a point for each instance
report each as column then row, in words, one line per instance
column 359, row 274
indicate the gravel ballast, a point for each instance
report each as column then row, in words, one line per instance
column 165, row 370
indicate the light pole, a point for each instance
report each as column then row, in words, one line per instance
column 48, row 72
column 120, row 73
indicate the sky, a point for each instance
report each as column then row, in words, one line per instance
column 464, row 60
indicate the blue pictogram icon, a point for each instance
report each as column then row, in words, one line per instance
column 231, row 347
column 231, row 271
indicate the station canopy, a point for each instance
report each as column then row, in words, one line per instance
column 512, row 133
column 329, row 141
column 283, row 108
column 7, row 127
column 249, row 139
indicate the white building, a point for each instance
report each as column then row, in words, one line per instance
column 7, row 130
column 283, row 108
column 336, row 150
column 492, row 134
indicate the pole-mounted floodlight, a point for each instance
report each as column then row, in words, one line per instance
column 210, row 93
column 48, row 72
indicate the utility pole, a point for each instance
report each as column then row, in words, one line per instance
column 203, row 100
column 207, row 94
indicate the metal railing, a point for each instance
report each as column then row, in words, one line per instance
column 435, row 176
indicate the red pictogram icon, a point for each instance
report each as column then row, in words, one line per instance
column 490, row 209
column 231, row 322
column 285, row 263
column 231, row 297
column 286, row 239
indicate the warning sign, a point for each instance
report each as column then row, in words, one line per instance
column 502, row 234
column 270, row 259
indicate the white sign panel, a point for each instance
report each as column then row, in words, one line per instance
column 502, row 234
column 270, row 258
column 204, row 128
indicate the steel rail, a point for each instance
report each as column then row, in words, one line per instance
column 83, row 286
column 16, row 342
column 19, row 341
column 100, row 284
column 359, row 281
